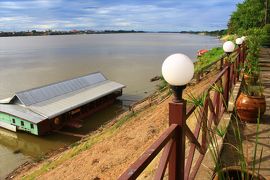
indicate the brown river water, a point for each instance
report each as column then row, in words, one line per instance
column 131, row 59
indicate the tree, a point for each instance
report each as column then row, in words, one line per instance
column 249, row 14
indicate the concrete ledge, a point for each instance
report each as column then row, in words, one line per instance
column 234, row 95
column 207, row 167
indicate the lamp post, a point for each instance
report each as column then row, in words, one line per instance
column 228, row 48
column 243, row 48
column 239, row 42
column 177, row 70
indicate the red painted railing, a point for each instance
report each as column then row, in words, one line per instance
column 173, row 140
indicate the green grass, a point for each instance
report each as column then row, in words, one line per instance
column 209, row 57
column 229, row 37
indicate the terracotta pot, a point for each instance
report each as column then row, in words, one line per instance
column 235, row 172
column 248, row 107
column 251, row 79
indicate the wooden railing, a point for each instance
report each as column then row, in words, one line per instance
column 173, row 140
column 215, row 64
column 219, row 63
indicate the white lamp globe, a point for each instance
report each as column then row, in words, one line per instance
column 228, row 46
column 178, row 69
column 239, row 41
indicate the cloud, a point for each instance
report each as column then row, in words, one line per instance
column 167, row 15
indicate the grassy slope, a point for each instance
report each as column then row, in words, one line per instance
column 104, row 134
column 209, row 57
column 104, row 153
column 79, row 147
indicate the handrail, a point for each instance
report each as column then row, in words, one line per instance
column 206, row 67
column 190, row 109
column 136, row 168
column 173, row 139
column 211, row 64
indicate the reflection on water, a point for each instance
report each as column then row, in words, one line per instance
column 130, row 59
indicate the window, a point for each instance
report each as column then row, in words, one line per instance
column 32, row 126
column 13, row 121
column 22, row 123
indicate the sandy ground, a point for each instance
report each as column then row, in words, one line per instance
column 111, row 156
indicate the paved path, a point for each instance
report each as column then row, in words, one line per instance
column 249, row 131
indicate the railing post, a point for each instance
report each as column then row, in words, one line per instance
column 238, row 61
column 227, row 86
column 243, row 52
column 177, row 115
column 221, row 63
column 198, row 76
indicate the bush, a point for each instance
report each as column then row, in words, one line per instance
column 255, row 37
column 266, row 39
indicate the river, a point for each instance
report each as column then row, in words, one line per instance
column 130, row 59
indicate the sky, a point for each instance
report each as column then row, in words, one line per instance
column 147, row 15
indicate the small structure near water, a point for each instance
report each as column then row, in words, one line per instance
column 201, row 52
column 53, row 106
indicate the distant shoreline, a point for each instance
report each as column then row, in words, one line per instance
column 75, row 32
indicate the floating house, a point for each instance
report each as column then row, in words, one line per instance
column 53, row 106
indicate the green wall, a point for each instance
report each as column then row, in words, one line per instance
column 26, row 127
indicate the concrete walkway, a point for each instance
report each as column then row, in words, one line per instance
column 249, row 131
column 229, row 156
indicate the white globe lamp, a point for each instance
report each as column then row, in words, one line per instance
column 178, row 70
column 228, row 47
column 239, row 41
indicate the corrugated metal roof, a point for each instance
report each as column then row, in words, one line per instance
column 50, row 91
column 55, row 99
column 6, row 100
column 61, row 104
column 21, row 112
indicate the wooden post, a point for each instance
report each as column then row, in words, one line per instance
column 221, row 63
column 243, row 53
column 198, row 76
column 227, row 87
column 177, row 115
column 240, row 55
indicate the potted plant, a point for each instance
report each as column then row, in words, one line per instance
column 251, row 66
column 251, row 103
column 251, row 72
column 243, row 170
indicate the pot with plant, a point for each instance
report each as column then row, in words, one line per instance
column 251, row 66
column 251, row 103
column 251, row 72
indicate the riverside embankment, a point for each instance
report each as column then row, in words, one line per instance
column 27, row 62
column 106, row 153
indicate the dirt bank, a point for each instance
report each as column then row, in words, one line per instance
column 106, row 153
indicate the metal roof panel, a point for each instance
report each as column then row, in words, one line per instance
column 50, row 91
column 61, row 104
column 21, row 112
